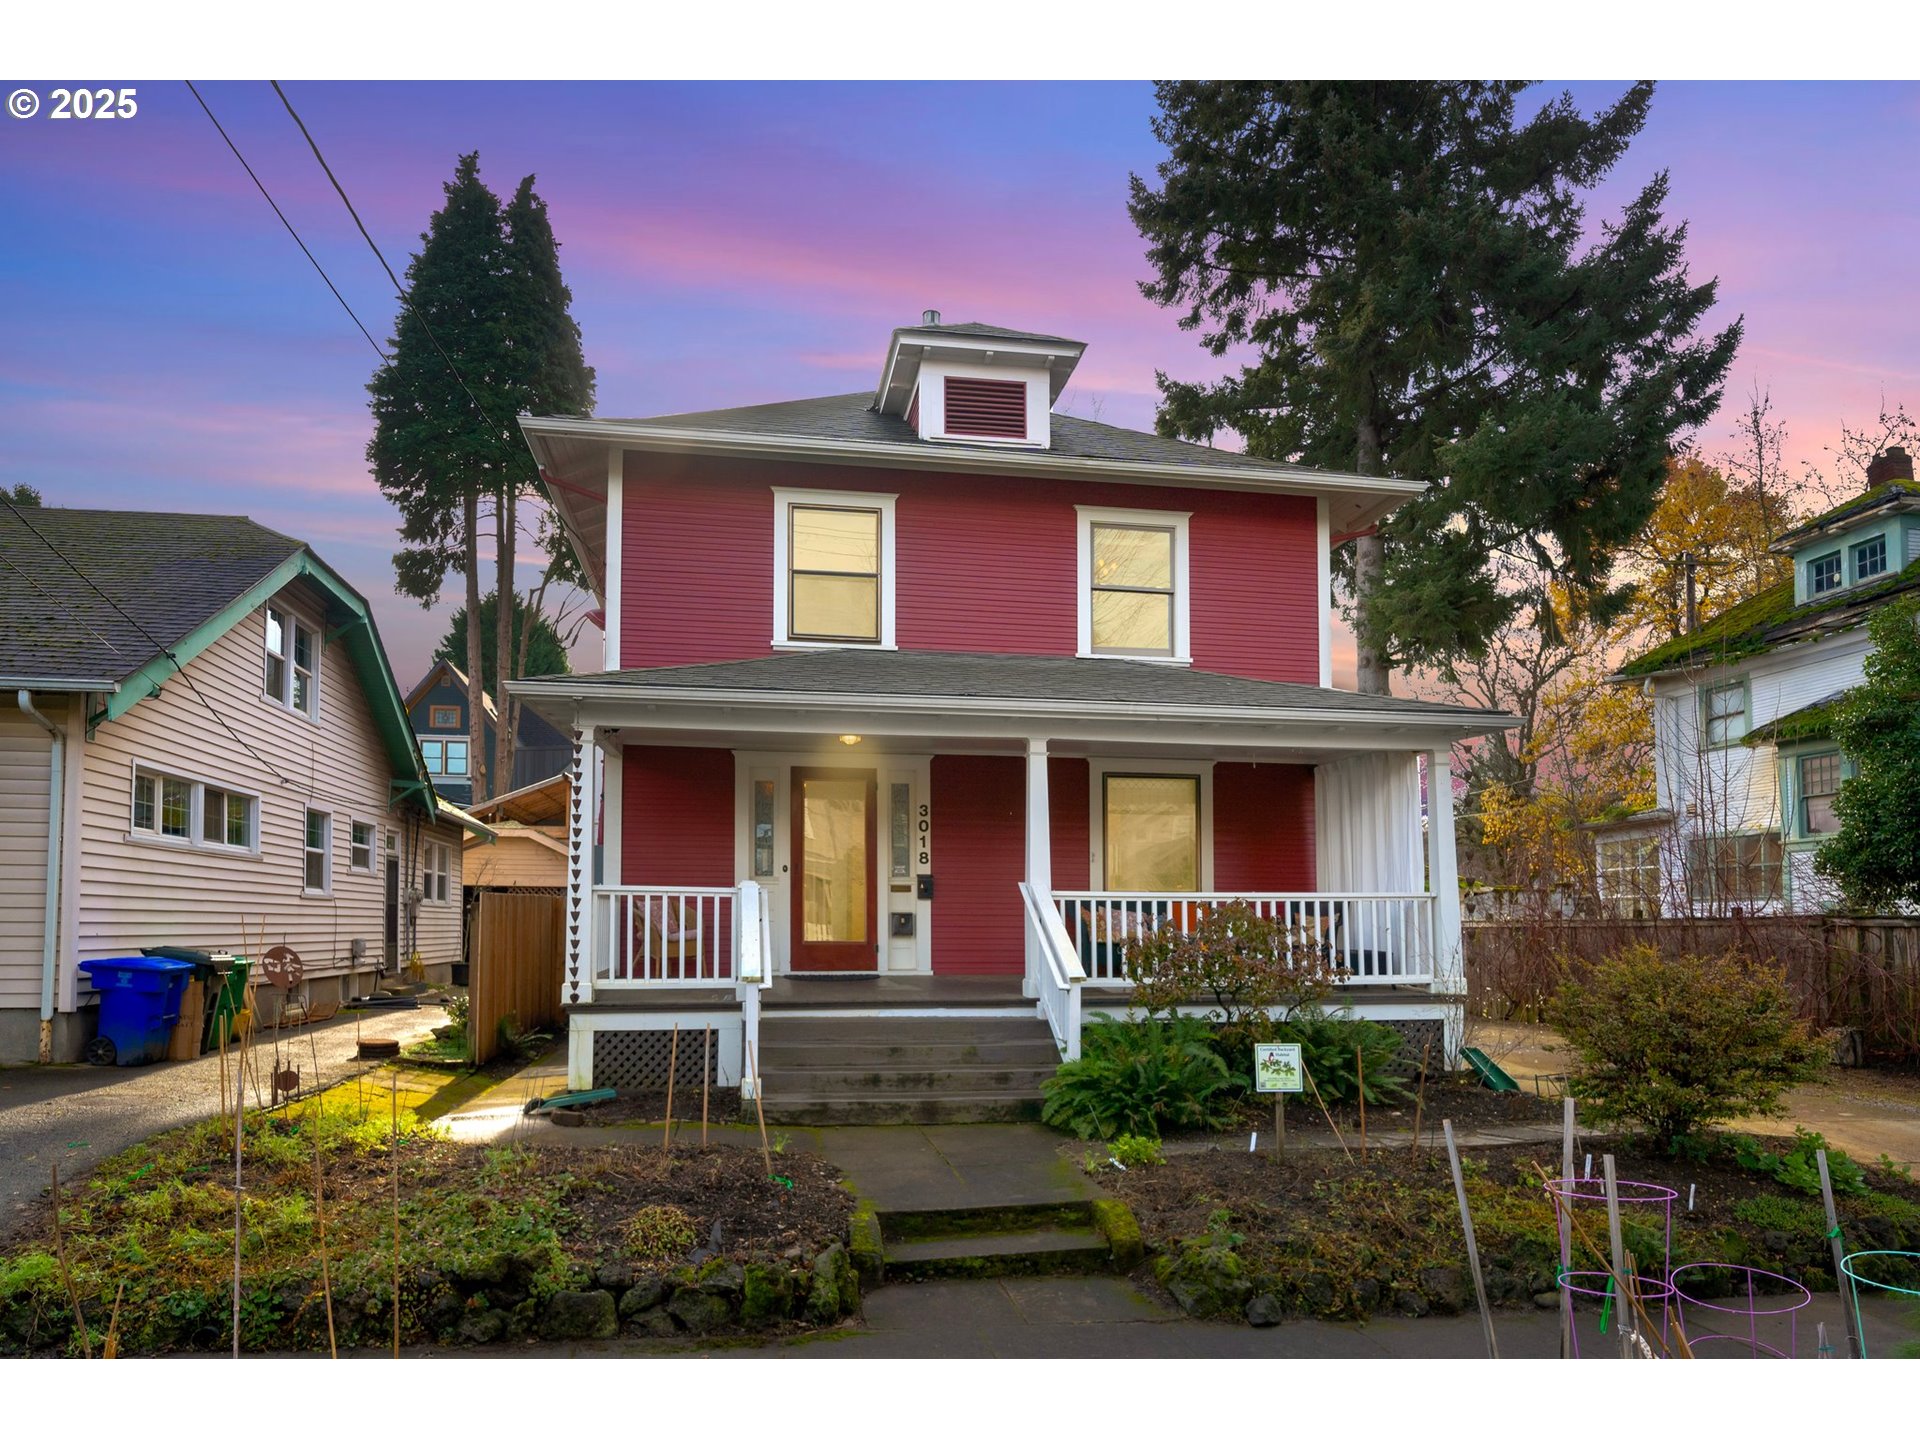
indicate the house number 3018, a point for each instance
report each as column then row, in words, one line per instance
column 923, row 832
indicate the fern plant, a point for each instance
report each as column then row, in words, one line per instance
column 1140, row 1078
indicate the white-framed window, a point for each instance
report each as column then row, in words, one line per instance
column 1628, row 873
column 833, row 568
column 436, row 868
column 194, row 813
column 445, row 757
column 1870, row 559
column 1825, row 573
column 1745, row 868
column 1151, row 825
column 1133, row 572
column 360, row 846
column 292, row 672
column 1819, row 777
column 1724, row 713
column 317, row 857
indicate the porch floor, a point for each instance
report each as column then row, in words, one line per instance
column 839, row 992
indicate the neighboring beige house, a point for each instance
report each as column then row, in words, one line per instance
column 527, row 849
column 201, row 745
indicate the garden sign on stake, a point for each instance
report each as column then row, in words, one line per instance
column 1278, row 1071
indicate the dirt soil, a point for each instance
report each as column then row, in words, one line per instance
column 1459, row 1097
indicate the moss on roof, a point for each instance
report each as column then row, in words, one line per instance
column 1809, row 722
column 1764, row 622
column 1859, row 505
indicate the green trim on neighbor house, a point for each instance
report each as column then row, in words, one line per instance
column 1888, row 492
column 356, row 631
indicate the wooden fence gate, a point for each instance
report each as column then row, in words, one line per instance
column 515, row 969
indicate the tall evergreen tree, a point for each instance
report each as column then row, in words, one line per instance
column 436, row 448
column 1412, row 269
column 550, row 376
column 537, row 646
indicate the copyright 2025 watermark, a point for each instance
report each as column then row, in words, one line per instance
column 74, row 102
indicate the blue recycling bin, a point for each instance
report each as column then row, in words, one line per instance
column 139, row 1006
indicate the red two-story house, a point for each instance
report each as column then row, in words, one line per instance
column 918, row 702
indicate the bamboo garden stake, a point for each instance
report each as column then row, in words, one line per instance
column 66, row 1275
column 753, row 1069
column 1614, row 1246
column 320, row 1220
column 1473, row 1250
column 673, row 1064
column 395, row 1147
column 239, row 1216
column 706, row 1079
column 1420, row 1104
column 1360, row 1071
column 1325, row 1112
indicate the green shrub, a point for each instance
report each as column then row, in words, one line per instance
column 660, row 1232
column 1139, row 1078
column 1134, row 1150
column 1797, row 1169
column 1333, row 1048
column 1234, row 960
column 1677, row 1045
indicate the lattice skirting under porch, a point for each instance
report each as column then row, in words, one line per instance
column 1416, row 1036
column 636, row 1060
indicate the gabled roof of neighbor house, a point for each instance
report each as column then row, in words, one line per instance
column 1889, row 496
column 457, row 678
column 1766, row 622
column 117, row 602
column 1129, row 687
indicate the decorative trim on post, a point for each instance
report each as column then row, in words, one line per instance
column 580, row 813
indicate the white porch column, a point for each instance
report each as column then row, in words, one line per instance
column 1039, row 844
column 1443, row 880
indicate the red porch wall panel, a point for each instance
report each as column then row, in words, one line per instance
column 979, row 858
column 983, row 563
column 1068, row 785
column 677, row 816
column 1262, row 827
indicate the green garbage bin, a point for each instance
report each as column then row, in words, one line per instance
column 223, row 1015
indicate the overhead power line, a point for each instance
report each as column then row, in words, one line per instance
column 261, row 187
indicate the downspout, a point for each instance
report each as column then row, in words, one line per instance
column 50, row 934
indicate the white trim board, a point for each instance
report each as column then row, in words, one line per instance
column 1179, row 522
column 784, row 499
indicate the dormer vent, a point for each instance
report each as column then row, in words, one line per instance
column 994, row 408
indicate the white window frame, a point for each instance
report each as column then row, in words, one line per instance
column 292, row 621
column 436, row 872
column 1707, row 717
column 1180, row 523
column 1632, row 858
column 373, row 845
column 325, row 851
column 1099, row 769
column 1839, row 559
column 197, row 789
column 1853, row 571
column 465, row 772
column 783, row 502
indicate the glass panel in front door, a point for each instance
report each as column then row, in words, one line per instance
column 834, row 814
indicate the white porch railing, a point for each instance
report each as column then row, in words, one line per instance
column 1055, row 971
column 664, row 936
column 1381, row 938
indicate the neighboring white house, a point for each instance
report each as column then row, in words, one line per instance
column 201, row 745
column 1746, row 766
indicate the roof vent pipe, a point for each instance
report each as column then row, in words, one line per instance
column 929, row 317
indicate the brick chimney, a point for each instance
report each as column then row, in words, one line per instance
column 1893, row 463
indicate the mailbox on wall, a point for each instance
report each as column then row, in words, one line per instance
column 923, row 887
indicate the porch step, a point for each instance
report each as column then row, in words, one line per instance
column 904, row 1070
column 992, row 1240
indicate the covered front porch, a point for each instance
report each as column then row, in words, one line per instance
column 910, row 858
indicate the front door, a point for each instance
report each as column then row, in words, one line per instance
column 833, row 891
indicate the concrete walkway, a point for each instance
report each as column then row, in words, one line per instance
column 79, row 1115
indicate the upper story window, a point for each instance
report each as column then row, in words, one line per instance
column 1819, row 783
column 1725, row 711
column 833, row 556
column 445, row 757
column 1870, row 558
column 292, row 663
column 193, row 812
column 1825, row 574
column 1133, row 584
column 443, row 717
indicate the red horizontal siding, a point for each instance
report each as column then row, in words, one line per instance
column 1068, row 785
column 1262, row 827
column 979, row 858
column 984, row 563
column 676, row 816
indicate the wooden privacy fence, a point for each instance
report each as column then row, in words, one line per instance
column 515, row 969
column 1857, row 973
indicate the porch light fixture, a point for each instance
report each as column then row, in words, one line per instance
column 850, row 739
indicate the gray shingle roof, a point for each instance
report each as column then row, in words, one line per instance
column 170, row 573
column 989, row 332
column 852, row 418
column 958, row 675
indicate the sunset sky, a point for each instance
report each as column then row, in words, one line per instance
column 167, row 346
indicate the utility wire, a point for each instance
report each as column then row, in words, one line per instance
column 261, row 187
column 69, row 611
column 145, row 633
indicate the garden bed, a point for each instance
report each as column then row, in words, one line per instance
column 1238, row 1236
column 496, row 1243
column 1457, row 1096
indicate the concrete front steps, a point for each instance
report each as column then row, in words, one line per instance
column 1054, row 1239
column 903, row 1070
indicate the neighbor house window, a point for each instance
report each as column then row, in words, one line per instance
column 1628, row 872
column 438, row 865
column 444, row 717
column 1726, row 713
column 445, row 757
column 360, row 847
column 1743, row 869
column 192, row 812
column 319, row 852
column 1133, row 584
column 1151, row 830
column 833, row 569
column 1819, row 783
column 293, row 652
column 1870, row 558
column 1826, row 574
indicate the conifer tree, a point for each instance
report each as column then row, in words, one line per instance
column 1412, row 271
